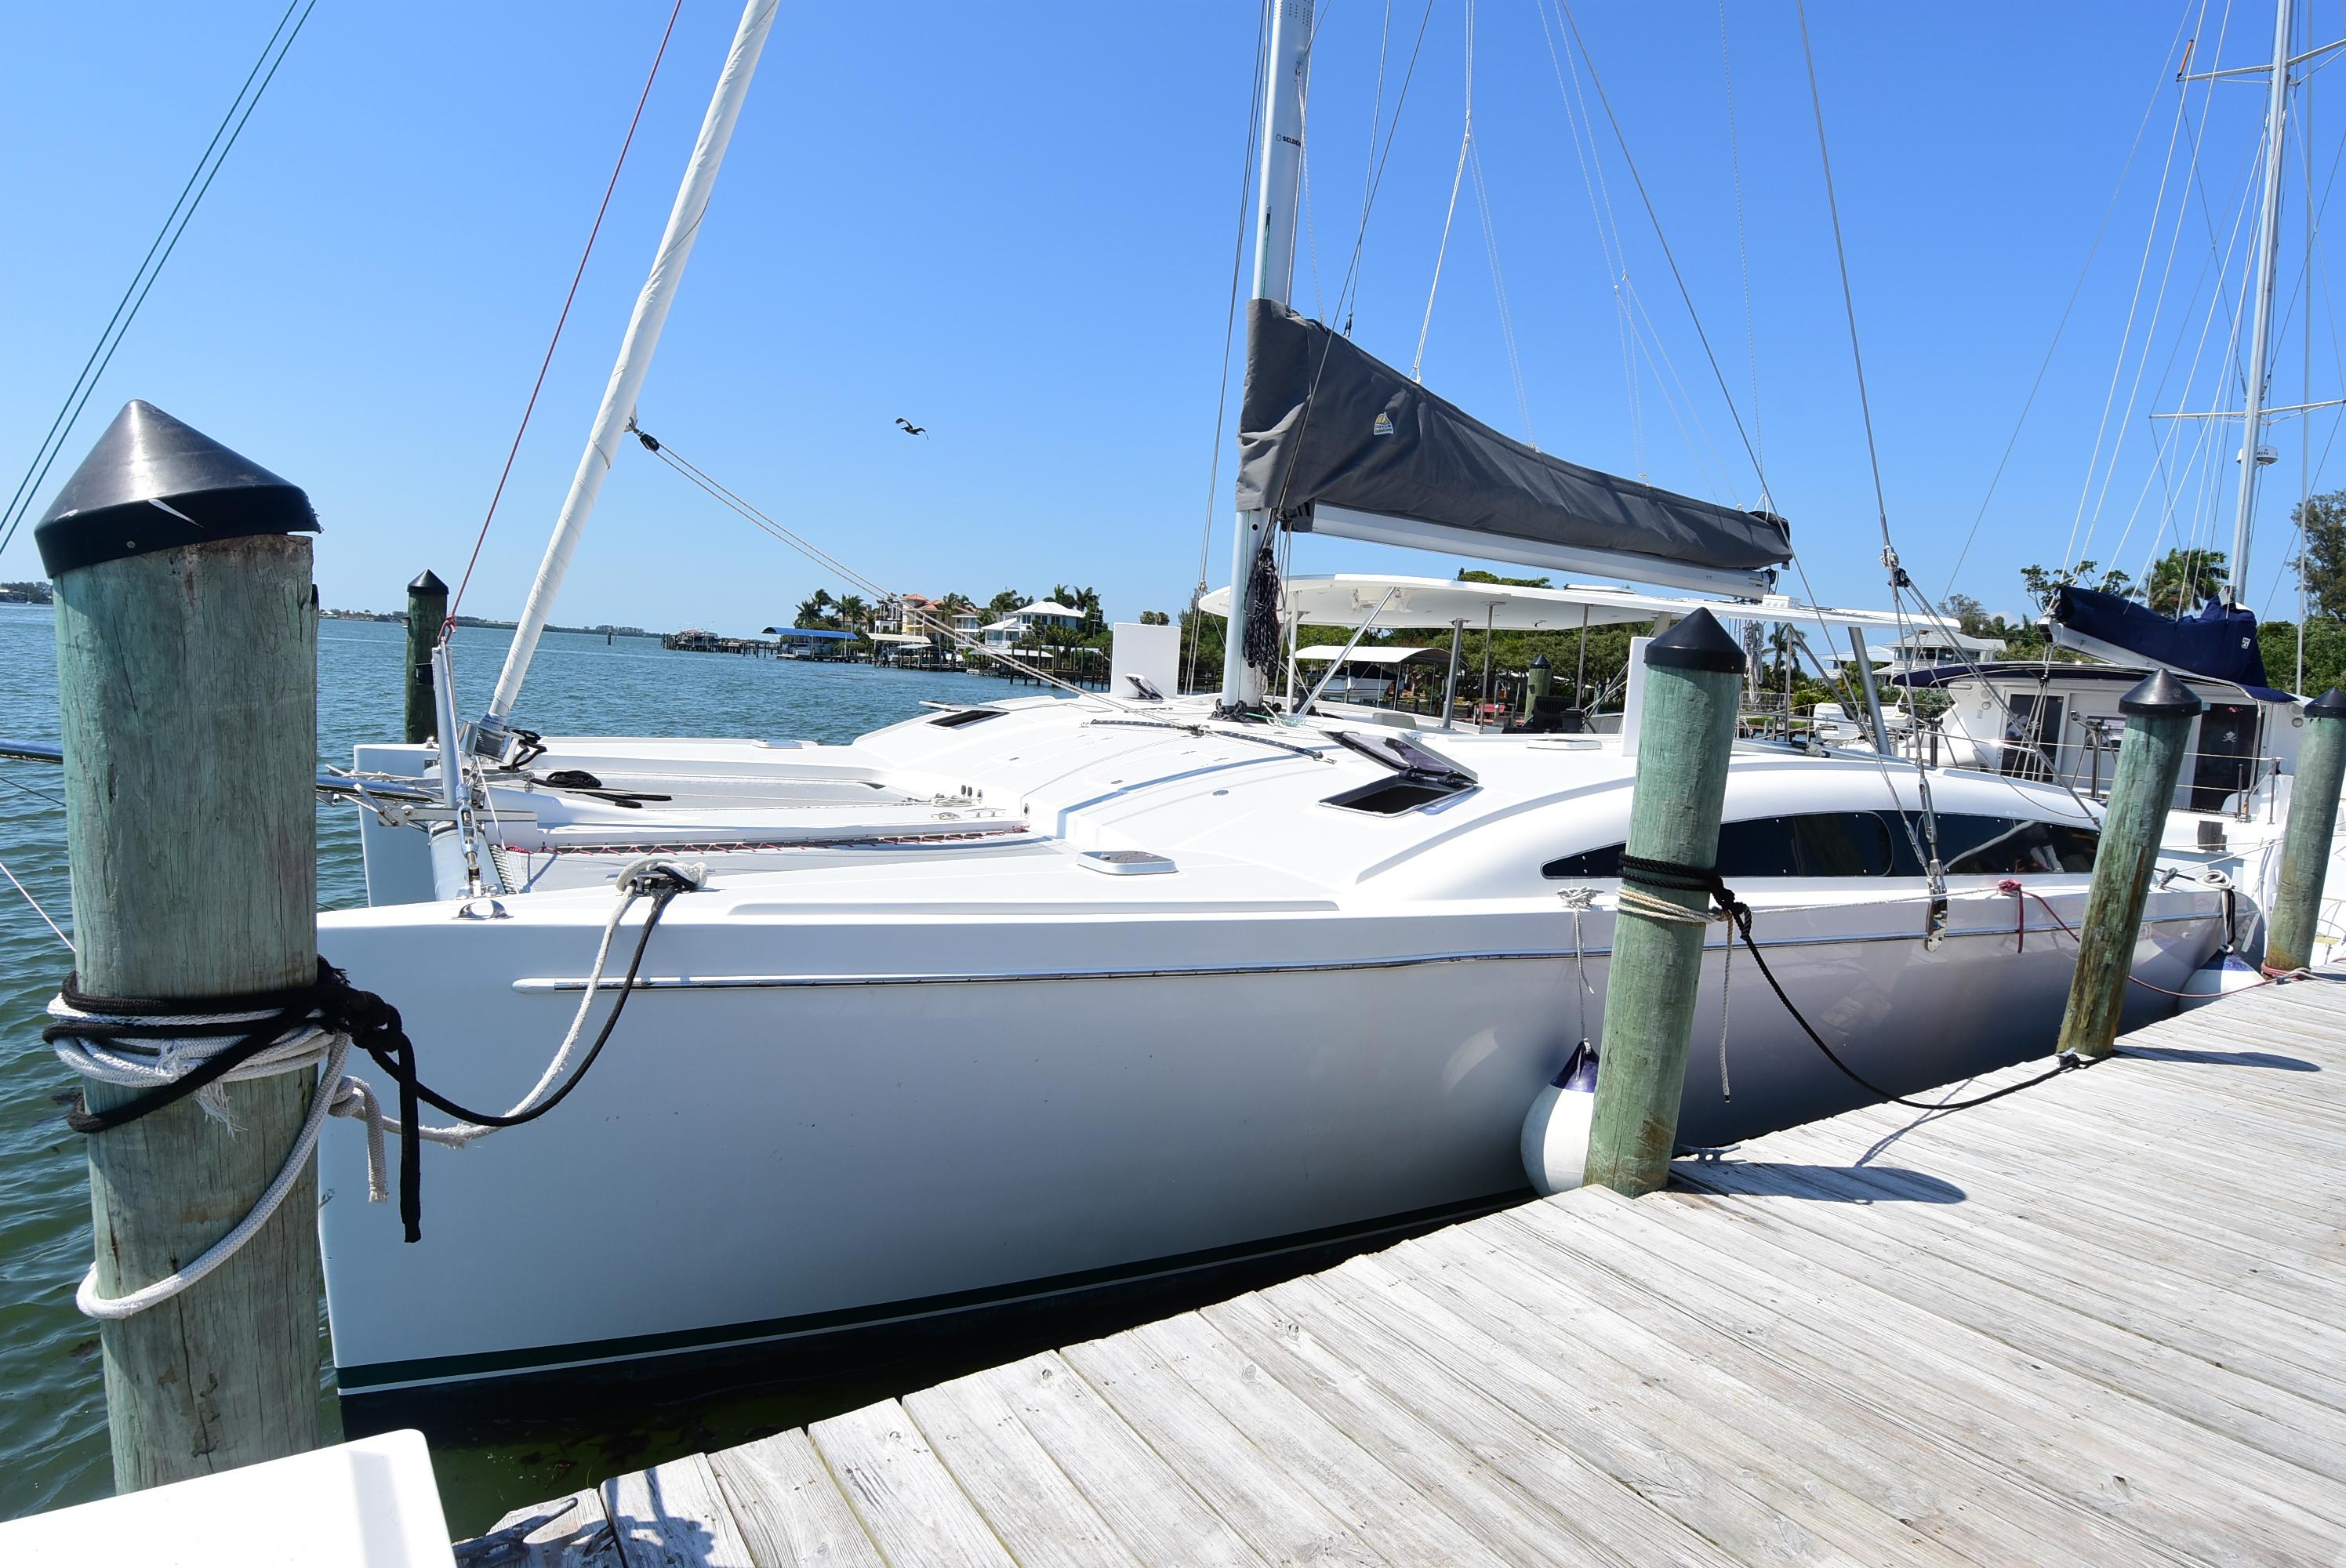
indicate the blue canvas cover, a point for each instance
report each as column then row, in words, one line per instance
column 2220, row 642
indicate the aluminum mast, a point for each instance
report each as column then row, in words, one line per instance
column 635, row 349
column 1285, row 65
column 2252, row 412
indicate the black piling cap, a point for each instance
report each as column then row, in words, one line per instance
column 2331, row 704
column 428, row 584
column 2159, row 694
column 152, row 484
column 1539, row 661
column 1697, row 642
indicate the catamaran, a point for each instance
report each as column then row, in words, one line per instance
column 1018, row 998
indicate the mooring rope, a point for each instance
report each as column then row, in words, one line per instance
column 1671, row 876
column 167, row 1051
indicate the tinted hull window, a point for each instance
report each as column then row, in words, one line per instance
column 1873, row 844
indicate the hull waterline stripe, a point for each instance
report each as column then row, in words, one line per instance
column 543, row 984
column 385, row 1375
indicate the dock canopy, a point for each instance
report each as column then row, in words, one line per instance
column 1326, row 425
column 809, row 632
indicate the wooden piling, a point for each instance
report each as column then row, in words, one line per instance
column 187, row 695
column 427, row 611
column 2312, row 819
column 2160, row 712
column 1694, row 680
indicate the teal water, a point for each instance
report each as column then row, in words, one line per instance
column 52, row 1444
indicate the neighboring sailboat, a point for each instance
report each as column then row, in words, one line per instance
column 2058, row 722
column 1026, row 998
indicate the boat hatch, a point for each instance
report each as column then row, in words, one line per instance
column 1420, row 777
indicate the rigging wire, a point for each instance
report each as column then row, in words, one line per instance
column 2070, row 552
column 2059, row 327
column 37, row 910
column 1606, row 225
column 702, row 480
column 1899, row 583
column 150, row 267
column 1376, row 117
column 1670, row 255
column 1742, row 245
column 28, row 789
column 1465, row 147
column 1499, row 288
column 448, row 626
column 1229, row 331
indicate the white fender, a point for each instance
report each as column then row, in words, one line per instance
column 2221, row 976
column 1556, row 1130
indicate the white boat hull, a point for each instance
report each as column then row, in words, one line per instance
column 785, row 1138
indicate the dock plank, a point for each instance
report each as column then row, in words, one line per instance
column 2158, row 1475
column 1156, row 1515
column 2097, row 1323
column 788, row 1506
column 1037, row 1511
column 909, row 1502
column 571, row 1532
column 674, row 1516
column 1967, row 1508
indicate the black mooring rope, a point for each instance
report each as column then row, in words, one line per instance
column 1672, row 877
column 332, row 1004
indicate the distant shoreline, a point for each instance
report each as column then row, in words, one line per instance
column 400, row 617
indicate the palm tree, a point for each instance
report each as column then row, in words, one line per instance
column 2183, row 579
column 853, row 613
column 1087, row 601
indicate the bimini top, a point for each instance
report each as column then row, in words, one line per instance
column 1325, row 424
column 1345, row 599
column 1324, row 652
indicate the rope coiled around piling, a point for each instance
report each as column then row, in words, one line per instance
column 169, row 1051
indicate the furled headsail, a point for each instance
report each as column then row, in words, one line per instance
column 2220, row 642
column 1373, row 455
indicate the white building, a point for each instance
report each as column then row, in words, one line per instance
column 1927, row 649
column 1020, row 624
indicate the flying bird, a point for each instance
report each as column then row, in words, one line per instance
column 909, row 428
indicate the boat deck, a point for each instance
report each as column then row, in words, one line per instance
column 2103, row 1321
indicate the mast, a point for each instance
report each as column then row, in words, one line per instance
column 635, row 349
column 2252, row 414
column 1281, row 163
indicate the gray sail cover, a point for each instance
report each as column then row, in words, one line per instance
column 1324, row 422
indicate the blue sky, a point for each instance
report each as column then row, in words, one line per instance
column 1014, row 225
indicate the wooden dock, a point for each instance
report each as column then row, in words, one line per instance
column 2103, row 1321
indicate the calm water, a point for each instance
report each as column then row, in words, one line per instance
column 53, row 1445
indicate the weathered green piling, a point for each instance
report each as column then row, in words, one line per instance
column 427, row 609
column 187, row 693
column 2158, row 714
column 2312, row 818
column 1694, row 681
column 1542, row 678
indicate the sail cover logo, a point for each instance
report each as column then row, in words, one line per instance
column 1383, row 425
